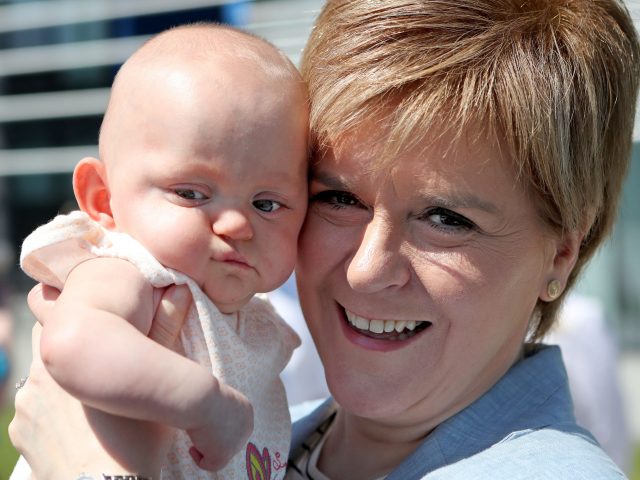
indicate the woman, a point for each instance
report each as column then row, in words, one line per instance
column 470, row 155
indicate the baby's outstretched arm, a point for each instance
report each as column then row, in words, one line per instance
column 95, row 346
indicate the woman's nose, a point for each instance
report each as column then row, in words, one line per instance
column 378, row 263
column 232, row 224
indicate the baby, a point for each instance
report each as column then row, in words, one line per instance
column 201, row 181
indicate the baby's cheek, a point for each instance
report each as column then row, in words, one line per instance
column 281, row 262
column 175, row 253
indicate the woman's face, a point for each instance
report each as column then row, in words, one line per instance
column 448, row 243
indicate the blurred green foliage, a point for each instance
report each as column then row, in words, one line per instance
column 8, row 455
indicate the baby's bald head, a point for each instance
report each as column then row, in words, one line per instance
column 208, row 42
column 207, row 53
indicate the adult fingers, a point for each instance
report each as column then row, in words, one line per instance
column 36, row 333
column 25, row 400
column 41, row 300
column 170, row 316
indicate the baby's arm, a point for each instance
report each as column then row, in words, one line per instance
column 110, row 364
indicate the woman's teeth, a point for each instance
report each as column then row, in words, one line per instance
column 381, row 326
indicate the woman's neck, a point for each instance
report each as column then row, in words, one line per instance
column 358, row 448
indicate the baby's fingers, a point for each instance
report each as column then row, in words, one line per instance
column 206, row 463
column 196, row 455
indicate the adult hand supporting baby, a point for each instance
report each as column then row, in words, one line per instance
column 171, row 316
column 41, row 300
column 75, row 439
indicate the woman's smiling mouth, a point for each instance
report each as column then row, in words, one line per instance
column 386, row 329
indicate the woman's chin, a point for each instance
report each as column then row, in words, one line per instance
column 368, row 396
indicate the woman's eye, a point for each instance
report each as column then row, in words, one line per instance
column 189, row 194
column 340, row 208
column 268, row 206
column 446, row 220
column 337, row 199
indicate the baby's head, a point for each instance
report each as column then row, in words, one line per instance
column 203, row 159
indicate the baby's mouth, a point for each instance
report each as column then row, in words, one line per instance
column 386, row 329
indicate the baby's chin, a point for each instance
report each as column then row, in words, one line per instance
column 227, row 304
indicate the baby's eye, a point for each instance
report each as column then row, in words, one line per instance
column 268, row 206
column 190, row 194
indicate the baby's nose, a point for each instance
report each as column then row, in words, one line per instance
column 232, row 224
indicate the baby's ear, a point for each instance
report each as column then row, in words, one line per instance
column 92, row 191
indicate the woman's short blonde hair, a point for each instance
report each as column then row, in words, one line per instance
column 557, row 78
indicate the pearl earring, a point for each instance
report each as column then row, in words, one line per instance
column 553, row 289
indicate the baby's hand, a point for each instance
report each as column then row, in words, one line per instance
column 223, row 434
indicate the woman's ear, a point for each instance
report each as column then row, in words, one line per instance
column 565, row 256
column 92, row 191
